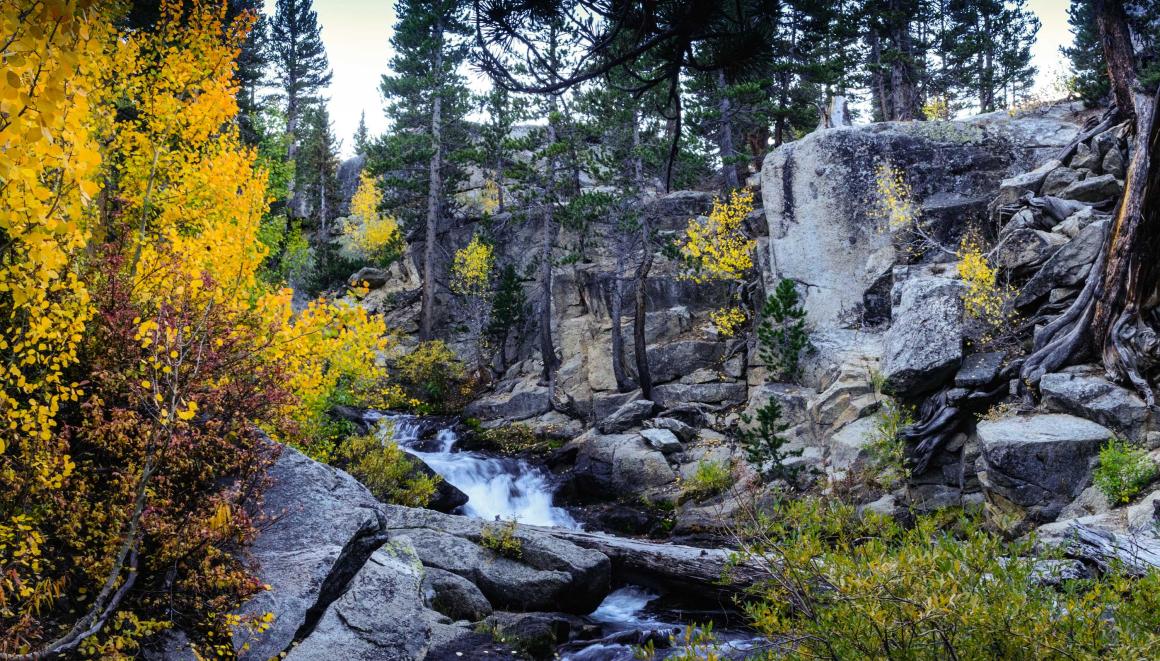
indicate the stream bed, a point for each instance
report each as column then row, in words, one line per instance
column 512, row 489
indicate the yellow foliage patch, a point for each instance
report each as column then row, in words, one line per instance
column 715, row 246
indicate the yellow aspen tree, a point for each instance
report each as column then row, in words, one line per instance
column 368, row 234
column 54, row 54
column 471, row 272
column 716, row 249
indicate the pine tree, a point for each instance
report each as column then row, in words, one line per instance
column 426, row 102
column 991, row 55
column 251, row 66
column 301, row 69
column 362, row 138
column 316, row 175
column 896, row 58
column 1087, row 56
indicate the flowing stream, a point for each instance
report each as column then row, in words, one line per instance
column 506, row 488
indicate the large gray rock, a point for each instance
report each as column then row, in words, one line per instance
column 1013, row 188
column 1094, row 189
column 662, row 439
column 1024, row 248
column 673, row 360
column 1085, row 157
column 323, row 525
column 1095, row 398
column 851, row 444
column 1069, row 266
column 379, row 616
column 454, row 596
column 1038, row 462
column 1058, row 180
column 683, row 432
column 725, row 393
column 629, row 415
column 608, row 466
column 548, row 574
column 925, row 342
column 526, row 399
column 823, row 233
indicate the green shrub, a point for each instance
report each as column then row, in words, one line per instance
column 501, row 539
column 387, row 471
column 848, row 586
column 430, row 372
column 782, row 332
column 887, row 449
column 1123, row 470
column 763, row 443
column 710, row 479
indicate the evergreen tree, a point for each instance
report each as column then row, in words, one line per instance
column 1086, row 54
column 316, row 174
column 1090, row 71
column 301, row 69
column 991, row 54
column 426, row 101
column 895, row 58
column 362, row 138
column 251, row 66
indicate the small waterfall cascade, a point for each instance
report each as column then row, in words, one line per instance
column 497, row 487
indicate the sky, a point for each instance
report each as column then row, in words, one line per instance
column 357, row 33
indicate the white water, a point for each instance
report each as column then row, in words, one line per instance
column 624, row 606
column 497, row 488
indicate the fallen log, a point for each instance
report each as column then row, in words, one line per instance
column 670, row 567
column 1137, row 553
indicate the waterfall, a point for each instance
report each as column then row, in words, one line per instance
column 496, row 487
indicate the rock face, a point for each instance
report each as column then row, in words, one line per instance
column 822, row 231
column 629, row 415
column 607, row 466
column 1039, row 462
column 924, row 344
column 1098, row 399
column 379, row 616
column 325, row 527
column 547, row 574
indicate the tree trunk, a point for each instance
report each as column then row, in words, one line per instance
column 1107, row 314
column 643, row 375
column 1119, row 53
column 725, row 135
column 547, row 347
column 616, row 312
column 877, row 80
column 434, row 193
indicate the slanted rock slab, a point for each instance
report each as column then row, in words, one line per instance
column 1095, row 398
column 379, row 616
column 924, row 345
column 1039, row 462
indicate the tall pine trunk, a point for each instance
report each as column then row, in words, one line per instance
column 643, row 374
column 547, row 346
column 434, row 193
column 725, row 134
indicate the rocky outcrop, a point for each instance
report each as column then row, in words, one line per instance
column 1039, row 462
column 924, row 344
column 1093, row 397
column 610, row 466
column 380, row 615
column 322, row 528
column 823, row 233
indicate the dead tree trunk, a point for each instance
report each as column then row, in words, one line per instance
column 1106, row 316
column 547, row 347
